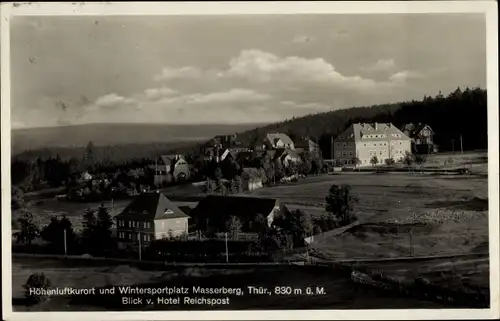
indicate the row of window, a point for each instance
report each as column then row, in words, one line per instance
column 375, row 136
column 344, row 145
column 344, row 153
column 122, row 223
column 134, row 236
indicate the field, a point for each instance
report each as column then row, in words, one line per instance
column 403, row 215
column 454, row 209
column 400, row 216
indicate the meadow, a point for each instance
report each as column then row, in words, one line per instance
column 446, row 214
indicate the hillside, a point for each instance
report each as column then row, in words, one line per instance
column 63, row 137
column 459, row 113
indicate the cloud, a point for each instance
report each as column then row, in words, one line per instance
column 111, row 100
column 183, row 72
column 158, row 93
column 382, row 65
column 233, row 95
column 259, row 66
column 255, row 86
column 403, row 76
column 258, row 69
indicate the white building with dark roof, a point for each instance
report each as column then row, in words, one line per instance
column 150, row 216
column 279, row 141
column 364, row 141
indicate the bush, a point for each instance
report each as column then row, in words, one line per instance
column 390, row 161
column 37, row 282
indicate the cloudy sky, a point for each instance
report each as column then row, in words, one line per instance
column 234, row 69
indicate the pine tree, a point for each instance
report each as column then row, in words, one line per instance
column 88, row 160
column 104, row 225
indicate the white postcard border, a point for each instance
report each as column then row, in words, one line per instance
column 222, row 8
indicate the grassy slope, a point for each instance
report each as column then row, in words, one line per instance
column 456, row 207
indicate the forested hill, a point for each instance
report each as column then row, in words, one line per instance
column 459, row 113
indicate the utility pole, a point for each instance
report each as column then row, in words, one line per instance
column 411, row 243
column 65, row 244
column 227, row 255
column 331, row 148
column 140, row 246
column 461, row 145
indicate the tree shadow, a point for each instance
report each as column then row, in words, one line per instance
column 472, row 204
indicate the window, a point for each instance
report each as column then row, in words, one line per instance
column 365, row 145
column 121, row 235
column 381, row 152
column 350, row 153
column 343, row 153
column 129, row 236
column 145, row 225
column 337, row 153
column 345, row 145
column 162, row 224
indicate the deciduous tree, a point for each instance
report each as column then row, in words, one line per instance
column 340, row 203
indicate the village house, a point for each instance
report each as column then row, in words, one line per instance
column 286, row 157
column 213, row 213
column 170, row 168
column 216, row 147
column 422, row 137
column 150, row 216
column 306, row 144
column 278, row 141
column 362, row 141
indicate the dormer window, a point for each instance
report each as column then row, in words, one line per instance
column 169, row 211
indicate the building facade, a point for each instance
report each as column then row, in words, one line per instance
column 361, row 143
column 213, row 212
column 149, row 217
column 278, row 141
column 170, row 168
column 422, row 137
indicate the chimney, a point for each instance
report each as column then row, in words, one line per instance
column 376, row 126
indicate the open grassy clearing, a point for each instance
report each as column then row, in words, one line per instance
column 446, row 214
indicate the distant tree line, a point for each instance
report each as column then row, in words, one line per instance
column 462, row 112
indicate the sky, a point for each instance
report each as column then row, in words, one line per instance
column 235, row 68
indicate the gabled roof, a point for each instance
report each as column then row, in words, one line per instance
column 218, row 209
column 415, row 129
column 169, row 159
column 274, row 138
column 357, row 131
column 151, row 206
